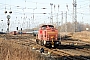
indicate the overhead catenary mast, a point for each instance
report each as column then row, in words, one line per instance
column 89, row 5
column 57, row 16
column 75, row 15
column 66, row 23
column 51, row 14
column 66, row 19
column 61, row 21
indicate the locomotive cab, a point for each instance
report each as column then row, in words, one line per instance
column 48, row 36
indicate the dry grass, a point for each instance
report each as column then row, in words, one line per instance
column 12, row 51
column 9, row 50
column 84, row 36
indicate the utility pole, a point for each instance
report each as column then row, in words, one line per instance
column 61, row 24
column 89, row 5
column 8, row 22
column 62, row 21
column 57, row 16
column 51, row 14
column 66, row 23
column 29, row 23
column 66, row 19
column 75, row 15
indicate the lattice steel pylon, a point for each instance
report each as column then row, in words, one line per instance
column 51, row 14
column 74, row 16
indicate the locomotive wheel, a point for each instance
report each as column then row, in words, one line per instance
column 37, row 41
column 42, row 42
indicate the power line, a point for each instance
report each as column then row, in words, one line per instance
column 36, row 2
column 83, row 6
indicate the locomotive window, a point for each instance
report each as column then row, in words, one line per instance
column 43, row 27
column 51, row 27
column 47, row 25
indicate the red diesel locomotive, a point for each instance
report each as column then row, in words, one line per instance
column 48, row 36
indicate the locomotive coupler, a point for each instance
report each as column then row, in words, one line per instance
column 52, row 43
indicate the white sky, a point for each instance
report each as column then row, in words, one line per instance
column 17, row 16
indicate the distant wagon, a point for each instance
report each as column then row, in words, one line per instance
column 35, row 32
column 14, row 32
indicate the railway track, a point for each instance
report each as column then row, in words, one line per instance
column 69, row 56
column 84, row 50
column 57, row 53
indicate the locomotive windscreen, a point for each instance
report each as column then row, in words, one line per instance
column 47, row 25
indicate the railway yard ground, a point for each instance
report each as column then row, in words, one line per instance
column 74, row 46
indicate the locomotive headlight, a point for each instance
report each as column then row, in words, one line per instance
column 51, row 36
column 47, row 43
column 44, row 42
column 57, row 42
